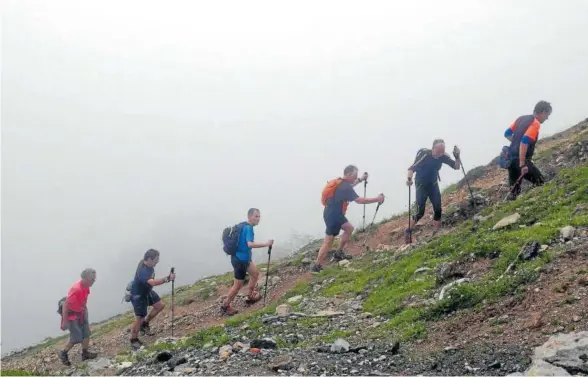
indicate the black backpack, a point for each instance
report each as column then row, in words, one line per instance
column 231, row 237
column 60, row 305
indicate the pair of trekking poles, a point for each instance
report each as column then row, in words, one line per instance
column 465, row 176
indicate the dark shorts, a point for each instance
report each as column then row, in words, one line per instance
column 78, row 330
column 142, row 303
column 239, row 267
column 333, row 225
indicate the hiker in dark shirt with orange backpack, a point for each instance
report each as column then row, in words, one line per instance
column 336, row 197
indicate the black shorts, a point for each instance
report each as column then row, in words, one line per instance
column 334, row 224
column 141, row 303
column 239, row 267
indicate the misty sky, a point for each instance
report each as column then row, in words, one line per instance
column 131, row 125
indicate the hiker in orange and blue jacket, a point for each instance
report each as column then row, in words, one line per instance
column 523, row 135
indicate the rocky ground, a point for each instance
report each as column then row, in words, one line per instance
column 316, row 334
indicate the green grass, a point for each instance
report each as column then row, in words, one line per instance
column 390, row 284
column 17, row 372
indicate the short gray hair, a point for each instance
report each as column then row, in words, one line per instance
column 87, row 273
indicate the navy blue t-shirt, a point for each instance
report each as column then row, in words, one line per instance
column 243, row 250
column 427, row 167
column 140, row 285
column 334, row 209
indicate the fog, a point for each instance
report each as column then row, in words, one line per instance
column 136, row 125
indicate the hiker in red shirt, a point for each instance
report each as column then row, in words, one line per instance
column 74, row 316
column 335, row 197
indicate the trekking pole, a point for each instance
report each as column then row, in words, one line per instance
column 269, row 256
column 518, row 182
column 468, row 183
column 409, row 230
column 364, row 195
column 172, row 303
column 367, row 233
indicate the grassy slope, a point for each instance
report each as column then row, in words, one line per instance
column 390, row 283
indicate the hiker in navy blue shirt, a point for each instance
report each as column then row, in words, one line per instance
column 426, row 165
column 143, row 295
column 336, row 196
column 243, row 264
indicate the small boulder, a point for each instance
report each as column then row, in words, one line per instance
column 328, row 313
column 448, row 270
column 164, row 356
column 531, row 250
column 506, row 221
column 280, row 363
column 124, row 365
column 283, row 310
column 294, row 300
column 101, row 363
column 344, row 263
column 306, row 261
column 567, row 232
column 267, row 343
column 225, row 349
column 339, row 346
column 276, row 280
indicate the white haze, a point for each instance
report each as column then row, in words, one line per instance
column 131, row 125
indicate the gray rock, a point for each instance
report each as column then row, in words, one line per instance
column 344, row 263
column 267, row 343
column 567, row 232
column 224, row 349
column 295, row 299
column 101, row 363
column 448, row 270
column 340, row 345
column 506, row 221
column 275, row 280
column 281, row 362
column 306, row 261
column 446, row 288
column 531, row 250
column 283, row 310
column 560, row 352
column 421, row 270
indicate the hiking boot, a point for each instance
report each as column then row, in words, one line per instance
column 227, row 310
column 64, row 358
column 317, row 268
column 407, row 237
column 145, row 329
column 87, row 355
column 136, row 344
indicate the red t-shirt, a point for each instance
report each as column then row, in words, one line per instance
column 77, row 297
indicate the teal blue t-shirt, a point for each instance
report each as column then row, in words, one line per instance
column 244, row 251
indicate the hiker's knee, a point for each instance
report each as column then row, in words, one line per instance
column 253, row 271
column 347, row 228
column 159, row 306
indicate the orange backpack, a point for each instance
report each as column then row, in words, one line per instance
column 329, row 192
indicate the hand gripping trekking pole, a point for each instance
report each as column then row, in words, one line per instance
column 364, row 196
column 269, row 256
column 172, row 302
column 367, row 233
